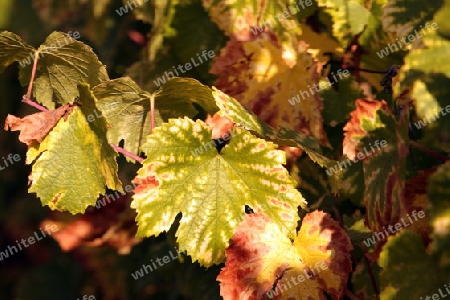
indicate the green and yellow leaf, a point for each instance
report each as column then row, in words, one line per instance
column 210, row 189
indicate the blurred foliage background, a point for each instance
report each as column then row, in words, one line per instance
column 96, row 253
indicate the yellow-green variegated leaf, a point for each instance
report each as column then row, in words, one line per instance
column 246, row 18
column 427, row 74
column 74, row 164
column 234, row 110
column 402, row 17
column 184, row 173
column 441, row 18
column 349, row 18
column 439, row 195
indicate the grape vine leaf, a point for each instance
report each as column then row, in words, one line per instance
column 441, row 18
column 384, row 166
column 127, row 110
column 352, row 184
column 439, row 213
column 403, row 254
column 176, row 97
column 12, row 49
column 318, row 260
column 349, row 18
column 234, row 110
column 126, row 106
column 361, row 280
column 313, row 183
column 183, row 172
column 277, row 82
column 403, row 17
column 187, row 46
column 74, row 163
column 34, row 128
column 245, row 19
column 320, row 43
column 426, row 73
column 417, row 200
column 63, row 63
column 339, row 103
column 375, row 40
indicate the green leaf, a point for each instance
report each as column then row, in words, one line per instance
column 384, row 171
column 427, row 73
column 63, row 63
column 374, row 35
column 188, row 175
column 349, row 18
column 352, row 184
column 74, row 163
column 127, row 109
column 441, row 18
column 402, row 17
column 439, row 214
column 407, row 271
column 12, row 49
column 433, row 59
column 175, row 98
column 185, row 46
column 173, row 42
column 358, row 232
column 337, row 105
column 362, row 285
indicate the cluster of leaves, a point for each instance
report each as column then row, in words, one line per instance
column 73, row 142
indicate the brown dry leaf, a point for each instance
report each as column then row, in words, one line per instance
column 34, row 128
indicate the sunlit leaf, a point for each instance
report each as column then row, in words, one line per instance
column 209, row 188
column 74, row 164
column 264, row 258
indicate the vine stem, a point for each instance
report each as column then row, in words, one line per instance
column 351, row 295
column 152, row 113
column 428, row 151
column 369, row 270
column 33, row 74
column 127, row 153
column 28, row 101
column 27, row 98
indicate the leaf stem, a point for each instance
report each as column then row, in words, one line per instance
column 369, row 270
column 152, row 113
column 33, row 74
column 126, row 153
column 428, row 151
column 28, row 101
column 27, row 98
column 351, row 295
